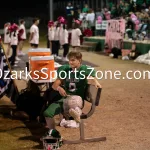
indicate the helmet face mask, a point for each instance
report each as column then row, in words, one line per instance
column 52, row 140
column 51, row 143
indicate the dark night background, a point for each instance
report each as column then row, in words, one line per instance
column 12, row 11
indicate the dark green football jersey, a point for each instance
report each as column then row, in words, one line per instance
column 75, row 82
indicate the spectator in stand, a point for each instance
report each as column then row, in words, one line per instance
column 76, row 11
column 110, row 5
column 130, row 32
column 99, row 13
column 70, row 14
column 120, row 8
column 107, row 14
column 85, row 9
column 139, row 4
column 126, row 9
column 132, row 5
column 82, row 17
column 114, row 12
column 146, row 16
column 91, row 20
column 144, row 26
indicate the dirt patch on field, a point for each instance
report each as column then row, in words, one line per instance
column 122, row 117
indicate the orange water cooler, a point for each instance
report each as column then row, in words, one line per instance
column 38, row 52
column 43, row 68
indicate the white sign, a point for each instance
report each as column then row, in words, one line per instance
column 102, row 26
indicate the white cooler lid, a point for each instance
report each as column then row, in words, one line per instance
column 36, row 58
column 40, row 50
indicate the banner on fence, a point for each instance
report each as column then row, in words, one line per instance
column 115, row 33
column 102, row 26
